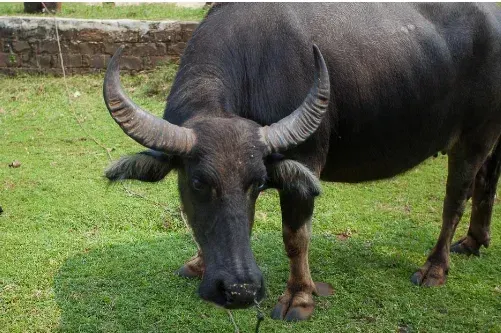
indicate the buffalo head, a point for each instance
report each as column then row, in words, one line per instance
column 222, row 166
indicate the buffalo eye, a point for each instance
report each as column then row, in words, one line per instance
column 198, row 185
column 261, row 185
column 257, row 186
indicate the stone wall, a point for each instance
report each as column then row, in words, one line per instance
column 29, row 44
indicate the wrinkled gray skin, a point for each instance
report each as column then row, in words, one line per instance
column 406, row 81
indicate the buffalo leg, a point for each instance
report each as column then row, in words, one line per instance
column 463, row 167
column 484, row 192
column 297, row 301
column 193, row 268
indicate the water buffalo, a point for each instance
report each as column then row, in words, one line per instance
column 276, row 95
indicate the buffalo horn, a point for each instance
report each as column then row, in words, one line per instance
column 148, row 130
column 304, row 121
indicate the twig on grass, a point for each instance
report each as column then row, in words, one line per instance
column 235, row 326
column 183, row 217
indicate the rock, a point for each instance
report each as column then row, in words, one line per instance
column 15, row 164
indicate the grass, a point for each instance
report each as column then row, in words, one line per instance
column 151, row 11
column 79, row 255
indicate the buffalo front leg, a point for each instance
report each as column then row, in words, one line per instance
column 297, row 301
column 462, row 169
column 484, row 192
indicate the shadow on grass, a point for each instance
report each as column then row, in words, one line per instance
column 128, row 287
column 132, row 287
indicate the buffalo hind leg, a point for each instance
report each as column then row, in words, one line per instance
column 193, row 268
column 463, row 166
column 484, row 192
column 297, row 301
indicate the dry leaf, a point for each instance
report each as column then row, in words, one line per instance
column 261, row 215
column 37, row 293
column 344, row 235
column 405, row 328
column 8, row 185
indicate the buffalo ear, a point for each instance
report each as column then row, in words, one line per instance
column 147, row 166
column 293, row 177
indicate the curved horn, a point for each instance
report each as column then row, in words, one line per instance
column 304, row 121
column 147, row 129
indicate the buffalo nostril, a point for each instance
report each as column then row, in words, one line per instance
column 240, row 295
column 229, row 296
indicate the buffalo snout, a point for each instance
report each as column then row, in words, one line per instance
column 233, row 293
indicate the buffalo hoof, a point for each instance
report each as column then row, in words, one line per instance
column 298, row 307
column 187, row 272
column 430, row 275
column 466, row 245
column 194, row 268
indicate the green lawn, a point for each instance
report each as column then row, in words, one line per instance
column 157, row 11
column 80, row 255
